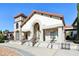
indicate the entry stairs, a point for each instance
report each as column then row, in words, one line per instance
column 43, row 44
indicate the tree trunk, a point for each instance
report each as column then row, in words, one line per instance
column 78, row 21
column 78, row 28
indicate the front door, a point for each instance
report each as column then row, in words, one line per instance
column 36, row 32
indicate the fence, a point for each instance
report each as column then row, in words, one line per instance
column 67, row 46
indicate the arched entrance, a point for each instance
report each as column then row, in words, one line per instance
column 36, row 32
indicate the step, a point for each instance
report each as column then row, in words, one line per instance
column 14, row 42
column 28, row 43
column 47, row 45
column 43, row 44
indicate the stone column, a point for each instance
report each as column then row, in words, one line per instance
column 14, row 35
column 41, row 35
column 20, row 34
column 31, row 34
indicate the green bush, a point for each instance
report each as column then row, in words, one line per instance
column 76, row 41
column 2, row 38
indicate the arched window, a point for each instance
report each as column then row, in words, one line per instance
column 17, row 25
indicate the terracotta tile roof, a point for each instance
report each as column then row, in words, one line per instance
column 20, row 14
column 46, row 13
column 66, row 27
column 49, row 14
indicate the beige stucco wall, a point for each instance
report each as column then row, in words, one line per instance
column 18, row 20
column 61, row 35
column 45, row 23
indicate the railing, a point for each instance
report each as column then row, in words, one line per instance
column 67, row 46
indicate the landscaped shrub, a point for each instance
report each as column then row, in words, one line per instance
column 75, row 40
column 69, row 38
column 2, row 38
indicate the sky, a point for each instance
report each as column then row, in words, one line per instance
column 9, row 10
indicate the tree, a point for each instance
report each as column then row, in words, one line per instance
column 6, row 31
column 78, row 21
column 1, row 37
column 77, row 39
column 6, row 34
column 0, row 32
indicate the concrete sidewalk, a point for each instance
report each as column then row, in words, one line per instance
column 33, row 50
column 37, row 51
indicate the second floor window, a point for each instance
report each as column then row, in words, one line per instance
column 17, row 25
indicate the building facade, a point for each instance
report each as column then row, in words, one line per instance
column 17, row 25
column 39, row 27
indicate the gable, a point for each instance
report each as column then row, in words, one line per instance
column 44, row 21
column 45, row 14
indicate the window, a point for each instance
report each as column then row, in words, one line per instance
column 53, row 35
column 17, row 25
